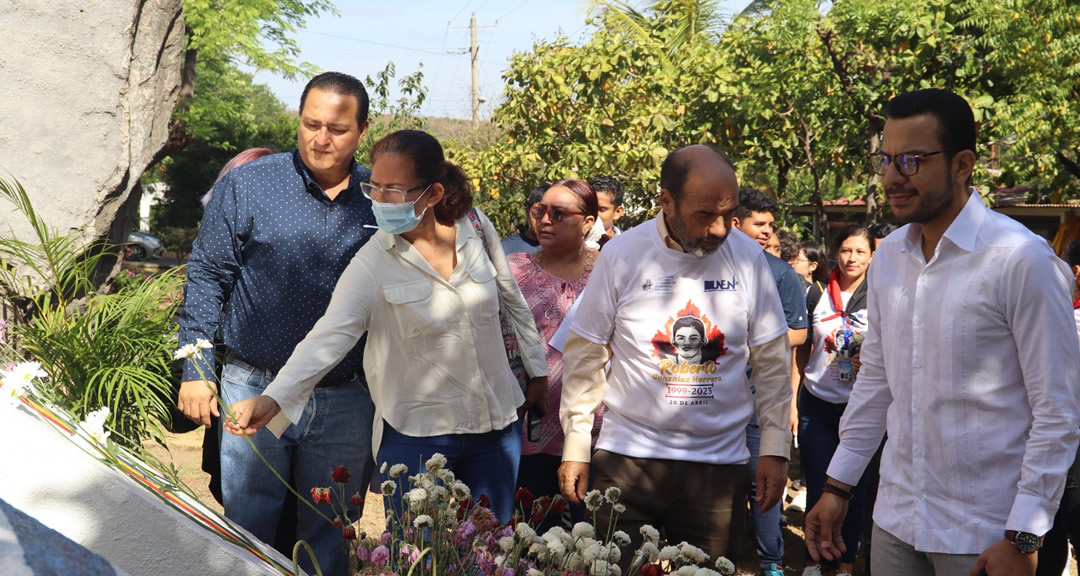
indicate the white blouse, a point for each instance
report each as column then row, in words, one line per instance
column 435, row 359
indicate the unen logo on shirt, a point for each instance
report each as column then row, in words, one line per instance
column 721, row 285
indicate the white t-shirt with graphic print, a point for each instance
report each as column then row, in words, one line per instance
column 825, row 375
column 680, row 329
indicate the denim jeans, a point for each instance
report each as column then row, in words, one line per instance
column 335, row 429
column 487, row 462
column 767, row 529
column 819, row 436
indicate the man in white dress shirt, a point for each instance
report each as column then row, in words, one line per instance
column 970, row 362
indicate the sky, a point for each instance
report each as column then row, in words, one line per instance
column 434, row 34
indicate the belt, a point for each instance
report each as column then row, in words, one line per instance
column 328, row 381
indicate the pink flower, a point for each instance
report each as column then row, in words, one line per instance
column 380, row 556
column 363, row 554
column 386, row 537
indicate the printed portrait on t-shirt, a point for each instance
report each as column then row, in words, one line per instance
column 686, row 349
column 844, row 342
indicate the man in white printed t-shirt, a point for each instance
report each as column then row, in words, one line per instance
column 674, row 430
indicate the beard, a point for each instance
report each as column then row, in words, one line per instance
column 697, row 247
column 926, row 205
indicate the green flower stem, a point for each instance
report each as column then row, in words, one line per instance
column 311, row 554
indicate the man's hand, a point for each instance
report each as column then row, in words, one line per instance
column 251, row 415
column 793, row 420
column 536, row 398
column 823, row 523
column 574, row 480
column 1004, row 559
column 197, row 402
column 771, row 481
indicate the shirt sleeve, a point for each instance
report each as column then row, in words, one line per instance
column 583, row 386
column 863, row 424
column 333, row 336
column 765, row 317
column 532, row 349
column 792, row 298
column 1036, row 298
column 771, row 363
column 212, row 271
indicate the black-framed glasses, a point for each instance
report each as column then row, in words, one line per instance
column 557, row 214
column 389, row 195
column 907, row 163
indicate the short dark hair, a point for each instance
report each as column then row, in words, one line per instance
column 880, row 230
column 430, row 165
column 848, row 232
column 536, row 194
column 753, row 200
column 956, row 121
column 815, row 254
column 340, row 83
column 688, row 322
column 676, row 166
column 611, row 187
column 1072, row 253
column 789, row 244
column 585, row 193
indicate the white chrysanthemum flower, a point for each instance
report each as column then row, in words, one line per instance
column 538, row 550
column 618, row 508
column 583, row 530
column 669, row 553
column 650, row 551
column 621, row 538
column 203, row 344
column 556, row 533
column 693, row 553
column 460, row 491
column 592, row 551
column 689, row 570
column 725, row 566
column 506, row 543
column 615, row 570
column 438, row 493
column 525, row 531
column 651, row 534
column 382, row 469
column 576, row 563
column 599, row 568
column 555, row 547
column 593, row 500
column 446, row 476
column 436, row 462
column 94, row 425
column 186, row 351
column 424, row 521
column 389, row 487
column 397, row 470
column 500, row 559
column 612, row 494
column 417, row 498
column 614, row 553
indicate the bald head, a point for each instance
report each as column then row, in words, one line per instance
column 698, row 162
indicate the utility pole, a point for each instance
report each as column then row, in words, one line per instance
column 474, row 51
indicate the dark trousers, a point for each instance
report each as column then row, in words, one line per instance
column 703, row 504
column 1054, row 554
column 539, row 474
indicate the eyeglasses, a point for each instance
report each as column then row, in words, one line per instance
column 557, row 214
column 907, row 164
column 389, row 195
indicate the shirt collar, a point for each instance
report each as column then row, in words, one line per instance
column 463, row 227
column 311, row 185
column 662, row 228
column 962, row 232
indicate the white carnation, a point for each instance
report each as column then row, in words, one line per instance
column 436, row 462
column 669, row 553
column 651, row 534
column 584, row 530
column 424, row 521
column 397, row 470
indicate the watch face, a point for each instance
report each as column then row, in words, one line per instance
column 1026, row 542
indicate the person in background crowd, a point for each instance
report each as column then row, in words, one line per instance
column 755, row 217
column 275, row 237
column 789, row 244
column 427, row 290
column 829, row 362
column 971, row 362
column 526, row 240
column 810, row 264
column 238, row 160
column 551, row 280
column 879, row 231
column 674, row 436
column 610, row 193
column 772, row 246
column 1054, row 554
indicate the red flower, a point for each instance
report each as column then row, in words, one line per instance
column 463, row 508
column 484, row 501
column 651, row 570
column 356, row 500
column 320, row 495
column 348, row 533
column 337, row 522
column 340, row 474
column 540, row 510
column 524, row 497
column 558, row 505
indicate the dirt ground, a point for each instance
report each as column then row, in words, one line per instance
column 185, row 451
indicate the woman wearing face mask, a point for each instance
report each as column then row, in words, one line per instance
column 551, row 280
column 828, row 362
column 426, row 289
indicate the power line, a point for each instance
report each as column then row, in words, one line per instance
column 409, row 48
column 512, row 11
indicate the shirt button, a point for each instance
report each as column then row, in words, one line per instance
column 918, row 364
column 331, row 244
column 331, row 208
column 977, row 520
column 922, row 496
column 916, row 321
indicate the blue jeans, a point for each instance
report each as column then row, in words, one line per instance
column 487, row 462
column 819, row 436
column 335, row 429
column 767, row 527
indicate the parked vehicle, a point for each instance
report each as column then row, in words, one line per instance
column 142, row 246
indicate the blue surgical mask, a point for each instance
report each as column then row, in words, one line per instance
column 397, row 217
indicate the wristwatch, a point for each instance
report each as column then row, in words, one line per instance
column 1025, row 542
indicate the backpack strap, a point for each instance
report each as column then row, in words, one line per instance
column 813, row 296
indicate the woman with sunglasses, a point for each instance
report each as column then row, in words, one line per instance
column 426, row 290
column 551, row 280
column 828, row 362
